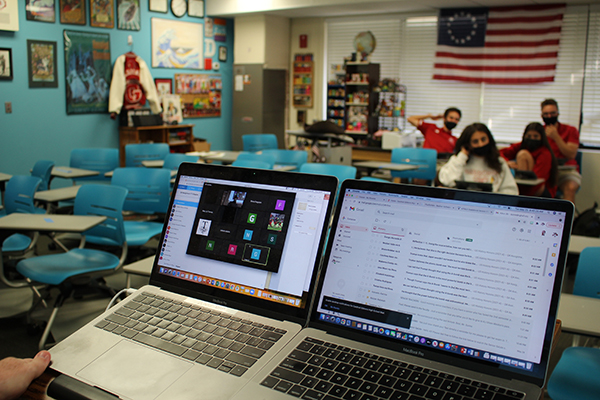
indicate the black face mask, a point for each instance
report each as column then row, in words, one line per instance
column 550, row 120
column 531, row 144
column 450, row 125
column 482, row 151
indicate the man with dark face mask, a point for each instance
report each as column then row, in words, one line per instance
column 437, row 138
column 564, row 141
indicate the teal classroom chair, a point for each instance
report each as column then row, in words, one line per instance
column 174, row 160
column 19, row 193
column 587, row 277
column 342, row 172
column 266, row 158
column 576, row 375
column 372, row 179
column 293, row 158
column 252, row 164
column 102, row 160
column 259, row 141
column 43, row 170
column 83, row 267
column 149, row 192
column 426, row 159
column 135, row 153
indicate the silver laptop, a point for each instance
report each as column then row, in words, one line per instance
column 428, row 293
column 230, row 286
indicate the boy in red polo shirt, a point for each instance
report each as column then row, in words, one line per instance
column 439, row 139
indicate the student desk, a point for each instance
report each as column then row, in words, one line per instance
column 373, row 165
column 53, row 196
column 529, row 182
column 578, row 243
column 141, row 267
column 72, row 173
column 225, row 156
column 579, row 314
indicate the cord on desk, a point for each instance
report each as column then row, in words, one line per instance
column 127, row 292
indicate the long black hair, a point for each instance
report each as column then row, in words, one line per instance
column 492, row 157
column 539, row 128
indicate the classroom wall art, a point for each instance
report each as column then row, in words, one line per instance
column 177, row 44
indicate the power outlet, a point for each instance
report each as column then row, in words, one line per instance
column 8, row 107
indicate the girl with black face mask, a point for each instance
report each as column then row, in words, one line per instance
column 477, row 159
column 534, row 153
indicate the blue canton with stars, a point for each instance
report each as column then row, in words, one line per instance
column 462, row 27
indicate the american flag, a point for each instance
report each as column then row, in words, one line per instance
column 501, row 45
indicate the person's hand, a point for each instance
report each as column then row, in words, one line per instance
column 465, row 151
column 552, row 132
column 436, row 117
column 512, row 164
column 16, row 374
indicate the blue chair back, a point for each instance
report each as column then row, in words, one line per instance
column 18, row 196
column 587, row 277
column 259, row 141
column 576, row 375
column 342, row 172
column 174, row 160
column 43, row 170
column 103, row 200
column 288, row 157
column 135, row 153
column 251, row 164
column 426, row 159
column 372, row 179
column 266, row 158
column 102, row 160
column 148, row 189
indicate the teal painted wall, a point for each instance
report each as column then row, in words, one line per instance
column 39, row 127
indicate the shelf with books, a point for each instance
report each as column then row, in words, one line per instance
column 303, row 81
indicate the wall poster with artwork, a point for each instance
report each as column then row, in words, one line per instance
column 102, row 13
column 128, row 15
column 88, row 71
column 41, row 64
column 177, row 44
column 6, row 70
column 200, row 94
column 72, row 12
column 36, row 10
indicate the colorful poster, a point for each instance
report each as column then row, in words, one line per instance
column 220, row 29
column 41, row 60
column 200, row 94
column 72, row 12
column 128, row 15
column 177, row 44
column 102, row 13
column 88, row 71
column 40, row 10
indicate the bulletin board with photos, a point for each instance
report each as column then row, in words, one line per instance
column 200, row 94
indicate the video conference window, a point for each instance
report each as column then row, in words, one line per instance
column 242, row 225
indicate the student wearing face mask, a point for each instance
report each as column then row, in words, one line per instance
column 564, row 141
column 477, row 159
column 533, row 153
column 439, row 139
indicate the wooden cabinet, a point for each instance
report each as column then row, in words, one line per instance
column 179, row 137
column 361, row 99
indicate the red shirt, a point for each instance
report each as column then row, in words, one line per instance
column 569, row 134
column 542, row 167
column 437, row 138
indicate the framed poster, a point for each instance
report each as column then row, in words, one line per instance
column 158, row 6
column 72, row 12
column 177, row 44
column 128, row 15
column 171, row 105
column 6, row 71
column 163, row 86
column 222, row 53
column 102, row 13
column 9, row 15
column 41, row 64
column 200, row 94
column 43, row 11
column 196, row 8
column 88, row 71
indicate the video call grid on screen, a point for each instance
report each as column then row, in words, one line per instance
column 241, row 225
column 425, row 253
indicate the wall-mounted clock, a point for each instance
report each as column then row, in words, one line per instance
column 179, row 7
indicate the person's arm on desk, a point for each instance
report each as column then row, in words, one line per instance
column 16, row 374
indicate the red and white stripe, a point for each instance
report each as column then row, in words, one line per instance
column 521, row 47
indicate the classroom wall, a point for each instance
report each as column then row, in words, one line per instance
column 39, row 127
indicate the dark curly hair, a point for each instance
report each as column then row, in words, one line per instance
column 539, row 128
column 492, row 158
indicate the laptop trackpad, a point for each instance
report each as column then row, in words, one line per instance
column 134, row 371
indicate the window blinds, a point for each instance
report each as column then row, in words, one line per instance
column 506, row 109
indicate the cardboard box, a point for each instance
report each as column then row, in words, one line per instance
column 201, row 145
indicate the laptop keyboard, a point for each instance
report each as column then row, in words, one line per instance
column 220, row 341
column 318, row 370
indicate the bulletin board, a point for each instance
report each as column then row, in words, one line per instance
column 200, row 94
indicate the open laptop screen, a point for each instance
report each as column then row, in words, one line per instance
column 248, row 236
column 468, row 274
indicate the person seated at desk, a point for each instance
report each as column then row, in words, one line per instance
column 564, row 141
column 477, row 159
column 534, row 153
column 439, row 139
column 16, row 374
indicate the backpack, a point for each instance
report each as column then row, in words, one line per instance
column 587, row 223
